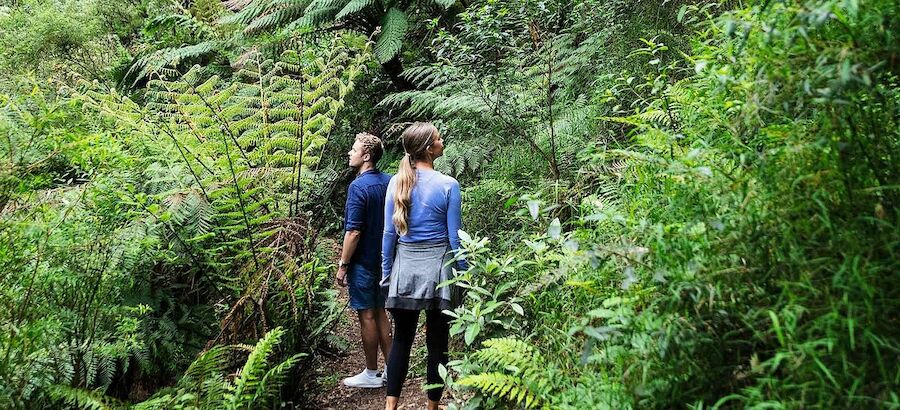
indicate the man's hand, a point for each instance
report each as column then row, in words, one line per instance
column 341, row 276
column 351, row 238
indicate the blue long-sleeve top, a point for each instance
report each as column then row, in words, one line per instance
column 434, row 215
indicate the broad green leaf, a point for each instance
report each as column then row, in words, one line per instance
column 471, row 333
column 464, row 236
column 555, row 229
column 533, row 208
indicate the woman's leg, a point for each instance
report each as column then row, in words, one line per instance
column 405, row 322
column 437, row 338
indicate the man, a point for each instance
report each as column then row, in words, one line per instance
column 360, row 264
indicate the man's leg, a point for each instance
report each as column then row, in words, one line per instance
column 361, row 300
column 384, row 332
column 368, row 326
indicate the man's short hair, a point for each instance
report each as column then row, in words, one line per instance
column 372, row 145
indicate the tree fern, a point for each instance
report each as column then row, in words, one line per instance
column 247, row 10
column 233, row 158
column 393, row 28
column 387, row 23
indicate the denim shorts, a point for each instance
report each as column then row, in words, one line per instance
column 365, row 290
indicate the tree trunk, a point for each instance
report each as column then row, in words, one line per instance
column 393, row 68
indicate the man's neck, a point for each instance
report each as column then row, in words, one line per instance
column 366, row 166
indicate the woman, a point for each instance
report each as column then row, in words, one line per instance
column 421, row 221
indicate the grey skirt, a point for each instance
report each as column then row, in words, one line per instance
column 418, row 269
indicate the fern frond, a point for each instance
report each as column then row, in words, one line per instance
column 393, row 30
column 274, row 379
column 84, row 399
column 501, row 385
column 185, row 22
column 210, row 363
column 275, row 18
column 251, row 375
column 511, row 353
column 427, row 76
column 247, row 12
column 236, row 5
column 145, row 65
column 352, row 7
column 158, row 402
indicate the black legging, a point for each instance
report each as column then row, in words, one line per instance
column 437, row 339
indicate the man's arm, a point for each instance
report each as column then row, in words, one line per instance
column 351, row 239
column 354, row 223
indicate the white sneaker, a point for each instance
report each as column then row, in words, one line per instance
column 368, row 379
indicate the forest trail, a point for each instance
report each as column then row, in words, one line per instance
column 336, row 396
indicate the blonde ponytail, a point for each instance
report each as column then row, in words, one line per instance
column 406, row 179
column 415, row 139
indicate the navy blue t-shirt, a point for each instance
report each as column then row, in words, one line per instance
column 364, row 212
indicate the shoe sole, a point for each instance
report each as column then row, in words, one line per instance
column 364, row 386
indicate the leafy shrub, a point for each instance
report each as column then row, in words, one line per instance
column 745, row 255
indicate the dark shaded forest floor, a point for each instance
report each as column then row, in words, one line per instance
column 338, row 397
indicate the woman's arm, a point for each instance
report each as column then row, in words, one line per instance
column 454, row 221
column 389, row 237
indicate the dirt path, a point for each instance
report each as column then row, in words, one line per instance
column 338, row 397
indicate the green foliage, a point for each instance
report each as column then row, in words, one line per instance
column 63, row 40
column 488, row 305
column 501, row 385
column 387, row 23
column 523, row 377
column 716, row 254
column 690, row 204
column 247, row 149
column 194, row 202
column 204, row 386
column 166, row 57
column 68, row 314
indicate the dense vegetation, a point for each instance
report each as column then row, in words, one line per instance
column 667, row 204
